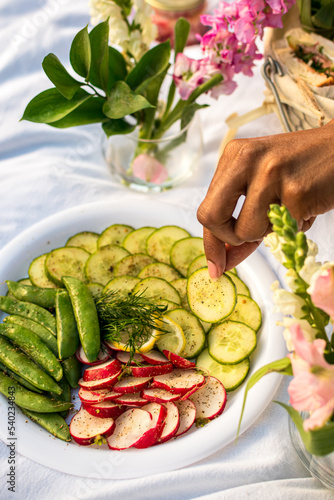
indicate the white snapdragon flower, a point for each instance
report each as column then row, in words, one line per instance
column 135, row 45
column 288, row 303
column 312, row 248
column 310, row 267
column 290, row 277
column 274, row 242
column 308, row 331
column 100, row 10
column 143, row 17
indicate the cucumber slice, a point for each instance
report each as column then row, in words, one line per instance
column 95, row 289
column 101, row 264
column 135, row 242
column 210, row 301
column 66, row 261
column 231, row 342
column 86, row 240
column 241, row 287
column 234, row 271
column 197, row 263
column 247, row 311
column 183, row 252
column 231, row 376
column 131, row 265
column 37, row 274
column 114, row 235
column 123, row 285
column 160, row 243
column 181, row 287
column 159, row 270
column 167, row 304
column 157, row 289
column 192, row 329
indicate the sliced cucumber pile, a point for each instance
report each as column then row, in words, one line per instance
column 216, row 321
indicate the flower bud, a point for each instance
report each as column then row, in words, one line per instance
column 289, row 250
column 288, row 234
column 274, row 210
column 301, row 241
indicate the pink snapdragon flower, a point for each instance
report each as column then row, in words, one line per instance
column 188, row 75
column 312, row 388
column 322, row 289
column 149, row 169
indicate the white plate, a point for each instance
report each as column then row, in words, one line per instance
column 36, row 444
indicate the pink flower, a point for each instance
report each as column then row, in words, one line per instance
column 188, row 75
column 312, row 388
column 322, row 289
column 149, row 169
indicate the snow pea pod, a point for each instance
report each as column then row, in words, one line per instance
column 65, row 395
column 18, row 378
column 44, row 297
column 48, row 338
column 67, row 333
column 30, row 400
column 52, row 422
column 32, row 345
column 31, row 311
column 72, row 371
column 22, row 365
column 86, row 316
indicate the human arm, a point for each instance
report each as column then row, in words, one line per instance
column 295, row 169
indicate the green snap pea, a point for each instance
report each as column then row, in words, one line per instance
column 72, row 371
column 86, row 316
column 44, row 297
column 31, row 311
column 32, row 345
column 30, row 400
column 65, row 395
column 48, row 338
column 18, row 378
column 67, row 333
column 17, row 361
column 52, row 422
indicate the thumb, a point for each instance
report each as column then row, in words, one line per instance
column 215, row 252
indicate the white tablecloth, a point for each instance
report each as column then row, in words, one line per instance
column 44, row 171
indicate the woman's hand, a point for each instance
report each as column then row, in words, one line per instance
column 294, row 169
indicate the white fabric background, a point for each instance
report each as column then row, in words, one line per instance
column 45, row 170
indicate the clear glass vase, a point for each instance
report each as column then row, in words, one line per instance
column 156, row 165
column 321, row 468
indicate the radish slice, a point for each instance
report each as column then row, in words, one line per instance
column 131, row 384
column 130, row 399
column 104, row 409
column 159, row 395
column 151, row 370
column 172, row 422
column 104, row 370
column 179, row 381
column 158, row 414
column 210, row 400
column 96, row 396
column 81, row 356
column 85, row 428
column 154, row 357
column 124, row 357
column 178, row 361
column 187, row 414
column 104, row 383
column 130, row 428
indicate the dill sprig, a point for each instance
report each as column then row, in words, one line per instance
column 133, row 316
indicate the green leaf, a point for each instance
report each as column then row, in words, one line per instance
column 305, row 12
column 80, row 53
column 50, row 106
column 282, row 366
column 117, row 67
column 59, row 76
column 189, row 112
column 89, row 111
column 181, row 33
column 99, row 46
column 318, row 442
column 122, row 101
column 150, row 65
column 116, row 127
column 152, row 95
column 324, row 18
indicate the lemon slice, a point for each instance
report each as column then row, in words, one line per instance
column 173, row 338
column 147, row 346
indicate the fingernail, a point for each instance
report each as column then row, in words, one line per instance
column 213, row 271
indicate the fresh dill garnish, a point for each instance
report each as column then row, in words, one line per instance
column 129, row 319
